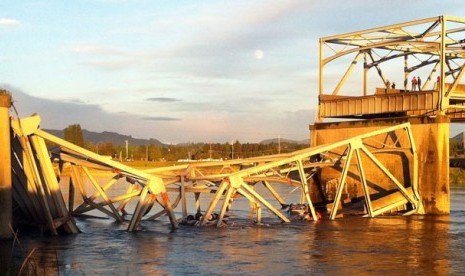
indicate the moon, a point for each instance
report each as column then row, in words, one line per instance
column 258, row 54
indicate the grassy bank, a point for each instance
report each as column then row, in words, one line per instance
column 457, row 177
column 138, row 164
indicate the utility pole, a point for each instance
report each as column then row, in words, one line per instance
column 147, row 152
column 127, row 149
column 232, row 150
column 279, row 144
column 210, row 152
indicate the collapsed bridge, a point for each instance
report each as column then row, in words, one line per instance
column 41, row 180
column 388, row 154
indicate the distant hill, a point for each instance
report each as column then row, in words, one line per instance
column 283, row 140
column 458, row 138
column 107, row 136
column 119, row 139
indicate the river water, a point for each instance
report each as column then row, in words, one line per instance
column 421, row 245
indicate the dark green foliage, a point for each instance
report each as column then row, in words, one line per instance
column 73, row 134
column 154, row 150
column 457, row 177
column 193, row 151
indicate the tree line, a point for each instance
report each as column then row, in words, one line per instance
column 197, row 151
column 456, row 148
column 187, row 151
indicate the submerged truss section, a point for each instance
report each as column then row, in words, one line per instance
column 38, row 191
column 41, row 182
column 230, row 181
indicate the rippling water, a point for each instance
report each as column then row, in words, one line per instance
column 395, row 245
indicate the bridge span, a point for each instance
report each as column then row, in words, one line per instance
column 411, row 72
column 48, row 189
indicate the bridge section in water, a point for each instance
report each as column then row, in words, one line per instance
column 48, row 191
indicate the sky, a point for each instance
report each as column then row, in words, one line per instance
column 181, row 71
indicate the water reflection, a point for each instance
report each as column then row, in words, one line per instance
column 394, row 245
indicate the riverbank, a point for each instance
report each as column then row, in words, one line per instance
column 457, row 177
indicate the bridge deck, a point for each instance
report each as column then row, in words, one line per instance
column 391, row 103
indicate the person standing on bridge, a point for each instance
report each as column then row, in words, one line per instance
column 414, row 84
column 419, row 83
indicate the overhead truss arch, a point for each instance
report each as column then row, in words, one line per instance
column 433, row 48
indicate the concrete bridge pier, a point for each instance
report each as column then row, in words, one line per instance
column 5, row 167
column 431, row 135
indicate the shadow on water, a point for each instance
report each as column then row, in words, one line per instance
column 394, row 245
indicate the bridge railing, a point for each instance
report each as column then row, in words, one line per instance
column 420, row 103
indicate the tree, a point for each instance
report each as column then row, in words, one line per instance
column 107, row 148
column 237, row 150
column 155, row 152
column 455, row 148
column 73, row 134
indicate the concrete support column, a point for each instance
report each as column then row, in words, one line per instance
column 5, row 167
column 431, row 135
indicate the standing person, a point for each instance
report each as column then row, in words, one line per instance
column 419, row 83
column 438, row 82
column 393, row 86
column 414, row 83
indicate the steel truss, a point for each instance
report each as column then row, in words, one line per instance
column 277, row 169
column 432, row 46
column 39, row 194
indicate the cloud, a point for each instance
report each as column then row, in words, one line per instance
column 108, row 65
column 192, row 75
column 93, row 49
column 76, row 101
column 160, row 119
column 105, row 58
column 163, row 99
column 8, row 22
column 245, row 26
column 221, row 41
column 57, row 114
column 208, row 125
